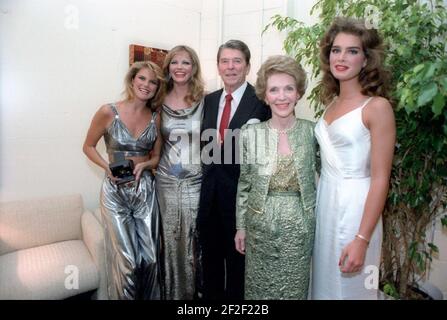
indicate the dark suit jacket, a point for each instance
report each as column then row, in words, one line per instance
column 223, row 171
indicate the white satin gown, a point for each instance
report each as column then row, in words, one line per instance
column 345, row 146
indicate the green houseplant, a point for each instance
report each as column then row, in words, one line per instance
column 414, row 33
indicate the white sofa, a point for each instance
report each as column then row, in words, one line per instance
column 50, row 248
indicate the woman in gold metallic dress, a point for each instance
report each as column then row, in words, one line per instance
column 178, row 176
column 276, row 192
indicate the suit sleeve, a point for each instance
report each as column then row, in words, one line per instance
column 244, row 184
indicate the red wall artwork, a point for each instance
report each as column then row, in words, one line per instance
column 141, row 53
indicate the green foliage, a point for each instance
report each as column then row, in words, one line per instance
column 390, row 290
column 414, row 33
column 444, row 221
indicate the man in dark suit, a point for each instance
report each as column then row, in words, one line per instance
column 225, row 111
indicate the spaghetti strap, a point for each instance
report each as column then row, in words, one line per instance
column 366, row 102
column 115, row 111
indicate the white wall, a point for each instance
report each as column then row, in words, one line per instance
column 223, row 20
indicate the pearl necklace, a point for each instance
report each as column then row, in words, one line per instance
column 281, row 131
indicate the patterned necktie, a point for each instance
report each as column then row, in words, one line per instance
column 225, row 116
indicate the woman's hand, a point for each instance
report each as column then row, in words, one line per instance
column 239, row 240
column 111, row 177
column 139, row 168
column 353, row 256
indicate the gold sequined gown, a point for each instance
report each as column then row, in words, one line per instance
column 275, row 206
column 279, row 242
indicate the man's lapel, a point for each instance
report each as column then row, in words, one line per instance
column 245, row 108
column 213, row 110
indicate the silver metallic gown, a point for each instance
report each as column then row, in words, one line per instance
column 178, row 181
column 131, row 220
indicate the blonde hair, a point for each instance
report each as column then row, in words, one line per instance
column 155, row 101
column 196, row 85
column 280, row 64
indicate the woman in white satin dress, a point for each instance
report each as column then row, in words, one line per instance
column 356, row 135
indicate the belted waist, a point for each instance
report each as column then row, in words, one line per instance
column 284, row 193
column 339, row 175
column 113, row 154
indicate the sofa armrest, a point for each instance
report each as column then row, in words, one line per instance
column 93, row 237
column 36, row 222
column 97, row 214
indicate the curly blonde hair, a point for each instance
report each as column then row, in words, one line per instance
column 196, row 84
column 280, row 64
column 373, row 78
column 155, row 102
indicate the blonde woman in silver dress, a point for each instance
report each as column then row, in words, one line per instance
column 130, row 215
column 178, row 177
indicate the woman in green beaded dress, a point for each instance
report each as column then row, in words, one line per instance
column 276, row 192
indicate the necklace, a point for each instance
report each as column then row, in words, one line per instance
column 282, row 131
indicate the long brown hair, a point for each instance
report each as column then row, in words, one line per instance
column 373, row 78
column 196, row 86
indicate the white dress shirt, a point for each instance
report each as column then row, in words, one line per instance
column 237, row 96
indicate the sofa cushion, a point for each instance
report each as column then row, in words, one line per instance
column 48, row 272
column 31, row 223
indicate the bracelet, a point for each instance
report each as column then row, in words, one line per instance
column 358, row 235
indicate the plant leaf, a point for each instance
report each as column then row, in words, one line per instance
column 418, row 68
column 444, row 83
column 430, row 71
column 390, row 290
column 444, row 221
column 427, row 94
column 438, row 104
column 433, row 247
